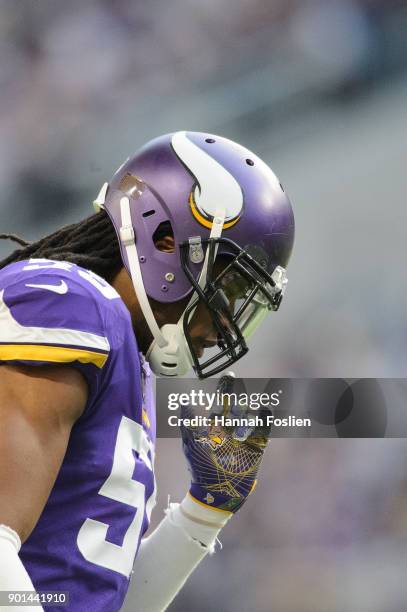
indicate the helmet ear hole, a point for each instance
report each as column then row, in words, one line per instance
column 163, row 237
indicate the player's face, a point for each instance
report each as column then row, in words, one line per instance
column 201, row 327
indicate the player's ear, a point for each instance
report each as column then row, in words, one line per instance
column 166, row 244
column 163, row 238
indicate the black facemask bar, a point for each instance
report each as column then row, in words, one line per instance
column 262, row 292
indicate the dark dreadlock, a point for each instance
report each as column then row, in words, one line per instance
column 91, row 243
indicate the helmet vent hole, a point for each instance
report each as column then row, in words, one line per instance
column 210, row 140
column 148, row 213
column 249, row 162
column 282, row 188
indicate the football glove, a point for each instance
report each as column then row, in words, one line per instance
column 224, row 460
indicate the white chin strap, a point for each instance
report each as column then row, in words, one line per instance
column 168, row 354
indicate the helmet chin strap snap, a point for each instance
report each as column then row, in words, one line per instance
column 168, row 354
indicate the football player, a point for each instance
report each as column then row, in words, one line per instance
column 184, row 258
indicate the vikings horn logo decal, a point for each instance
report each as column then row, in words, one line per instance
column 214, row 185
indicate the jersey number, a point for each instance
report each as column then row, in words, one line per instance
column 121, row 487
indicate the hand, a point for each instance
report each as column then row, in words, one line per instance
column 224, row 460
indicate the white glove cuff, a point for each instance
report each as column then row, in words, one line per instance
column 200, row 522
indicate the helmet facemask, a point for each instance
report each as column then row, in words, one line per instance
column 234, row 300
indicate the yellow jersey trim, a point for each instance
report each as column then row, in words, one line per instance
column 145, row 419
column 54, row 354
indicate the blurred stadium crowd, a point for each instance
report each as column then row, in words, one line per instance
column 319, row 88
column 67, row 69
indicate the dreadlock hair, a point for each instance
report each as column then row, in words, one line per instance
column 91, row 243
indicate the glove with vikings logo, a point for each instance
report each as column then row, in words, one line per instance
column 224, row 460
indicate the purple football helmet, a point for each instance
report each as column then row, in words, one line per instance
column 222, row 204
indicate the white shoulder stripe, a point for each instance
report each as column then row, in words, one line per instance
column 12, row 332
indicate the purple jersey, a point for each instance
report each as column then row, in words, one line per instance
column 87, row 537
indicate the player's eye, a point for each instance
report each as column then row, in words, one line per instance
column 235, row 286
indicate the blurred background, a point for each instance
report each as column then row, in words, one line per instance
column 319, row 89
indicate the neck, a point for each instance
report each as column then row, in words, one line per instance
column 124, row 287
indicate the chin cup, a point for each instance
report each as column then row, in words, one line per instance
column 174, row 359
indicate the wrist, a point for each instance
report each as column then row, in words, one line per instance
column 200, row 522
column 202, row 513
column 217, row 501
